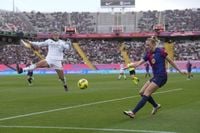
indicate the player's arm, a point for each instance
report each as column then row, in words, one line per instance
column 174, row 65
column 125, row 68
column 67, row 44
column 28, row 44
column 138, row 63
column 39, row 44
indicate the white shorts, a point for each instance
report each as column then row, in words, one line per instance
column 121, row 71
column 55, row 64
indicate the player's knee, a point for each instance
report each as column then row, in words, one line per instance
column 60, row 78
column 147, row 92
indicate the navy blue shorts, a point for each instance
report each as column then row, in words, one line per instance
column 30, row 73
column 189, row 70
column 159, row 80
column 132, row 72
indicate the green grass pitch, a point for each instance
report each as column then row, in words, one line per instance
column 45, row 107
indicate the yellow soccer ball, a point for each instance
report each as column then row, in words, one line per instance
column 82, row 83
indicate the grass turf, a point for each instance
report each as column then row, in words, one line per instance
column 46, row 107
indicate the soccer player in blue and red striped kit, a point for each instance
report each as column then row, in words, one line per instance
column 189, row 69
column 156, row 57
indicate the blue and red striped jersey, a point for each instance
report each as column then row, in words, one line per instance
column 157, row 61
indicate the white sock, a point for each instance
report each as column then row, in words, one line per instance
column 63, row 81
column 31, row 67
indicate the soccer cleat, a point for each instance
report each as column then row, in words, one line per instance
column 65, row 87
column 19, row 69
column 129, row 113
column 29, row 81
column 155, row 109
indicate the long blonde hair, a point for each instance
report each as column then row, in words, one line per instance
column 154, row 40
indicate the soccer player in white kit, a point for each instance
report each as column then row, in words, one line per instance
column 122, row 72
column 54, row 56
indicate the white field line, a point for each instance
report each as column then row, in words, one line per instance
column 87, row 129
column 81, row 105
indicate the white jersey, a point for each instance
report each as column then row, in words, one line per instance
column 55, row 48
column 121, row 68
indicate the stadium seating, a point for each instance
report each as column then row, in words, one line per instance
column 100, row 52
column 85, row 22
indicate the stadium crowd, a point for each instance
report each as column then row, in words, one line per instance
column 46, row 22
column 99, row 52
column 85, row 22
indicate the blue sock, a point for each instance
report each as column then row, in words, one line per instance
column 151, row 100
column 140, row 104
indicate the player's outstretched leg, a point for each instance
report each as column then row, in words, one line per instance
column 65, row 87
column 135, row 80
column 19, row 69
column 29, row 80
column 64, row 83
column 129, row 113
column 62, row 78
column 119, row 77
column 155, row 109
column 125, row 76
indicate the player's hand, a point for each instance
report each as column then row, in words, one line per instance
column 27, row 41
column 183, row 73
column 134, row 64
column 69, row 41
